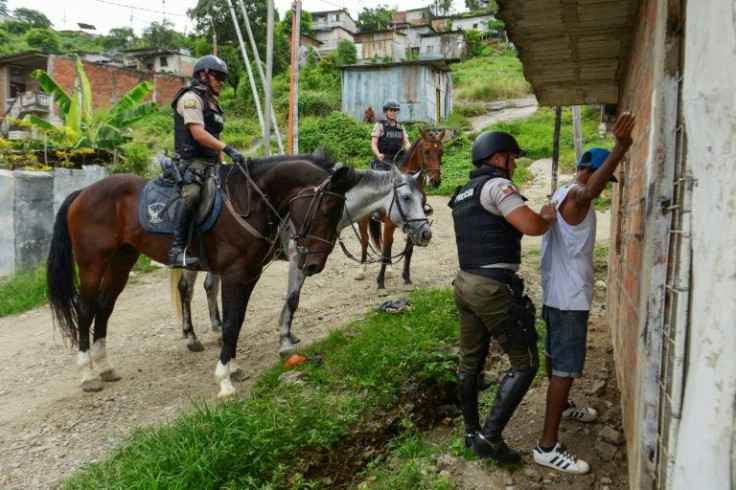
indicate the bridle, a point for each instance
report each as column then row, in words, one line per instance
column 405, row 221
column 304, row 233
column 317, row 195
column 428, row 171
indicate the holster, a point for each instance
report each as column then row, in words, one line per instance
column 521, row 328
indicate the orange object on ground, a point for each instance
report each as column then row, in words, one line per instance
column 295, row 360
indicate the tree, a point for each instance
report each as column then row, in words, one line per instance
column 45, row 40
column 82, row 129
column 161, row 35
column 33, row 17
column 119, row 38
column 4, row 7
column 209, row 14
column 305, row 23
column 375, row 19
column 347, row 53
column 441, row 7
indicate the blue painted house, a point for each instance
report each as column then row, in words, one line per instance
column 423, row 88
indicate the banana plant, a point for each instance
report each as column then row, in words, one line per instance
column 82, row 129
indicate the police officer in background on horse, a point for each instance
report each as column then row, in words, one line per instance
column 388, row 137
column 198, row 122
column 490, row 217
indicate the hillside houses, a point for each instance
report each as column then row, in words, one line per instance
column 414, row 34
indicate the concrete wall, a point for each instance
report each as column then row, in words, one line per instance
column 28, row 205
column 706, row 446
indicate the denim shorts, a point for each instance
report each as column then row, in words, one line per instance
column 565, row 340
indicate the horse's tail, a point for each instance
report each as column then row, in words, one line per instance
column 62, row 285
column 374, row 228
column 174, row 278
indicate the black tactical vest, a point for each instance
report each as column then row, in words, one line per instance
column 184, row 143
column 392, row 140
column 482, row 238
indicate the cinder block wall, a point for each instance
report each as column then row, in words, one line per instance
column 28, row 205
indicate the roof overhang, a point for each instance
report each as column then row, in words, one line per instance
column 574, row 52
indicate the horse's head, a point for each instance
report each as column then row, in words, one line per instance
column 426, row 156
column 406, row 209
column 315, row 213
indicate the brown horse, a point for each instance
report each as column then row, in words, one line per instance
column 425, row 157
column 98, row 228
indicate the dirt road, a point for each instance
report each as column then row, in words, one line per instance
column 49, row 427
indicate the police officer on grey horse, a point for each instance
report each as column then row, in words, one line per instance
column 388, row 137
column 490, row 217
column 198, row 122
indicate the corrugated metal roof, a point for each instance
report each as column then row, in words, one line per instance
column 573, row 51
column 439, row 65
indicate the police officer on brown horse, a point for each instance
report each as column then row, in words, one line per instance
column 388, row 137
column 198, row 122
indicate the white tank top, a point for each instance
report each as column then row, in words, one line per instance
column 567, row 259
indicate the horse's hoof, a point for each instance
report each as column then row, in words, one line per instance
column 217, row 329
column 408, row 281
column 294, row 339
column 226, row 394
column 359, row 276
column 239, row 375
column 109, row 375
column 382, row 292
column 389, row 273
column 92, row 385
column 285, row 352
column 195, row 346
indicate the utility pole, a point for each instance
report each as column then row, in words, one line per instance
column 251, row 79
column 577, row 132
column 293, row 143
column 269, row 71
column 259, row 66
column 214, row 36
column 556, row 148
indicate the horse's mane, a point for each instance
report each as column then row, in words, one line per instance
column 408, row 152
column 321, row 159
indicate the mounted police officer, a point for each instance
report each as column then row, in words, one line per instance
column 490, row 217
column 388, row 137
column 198, row 122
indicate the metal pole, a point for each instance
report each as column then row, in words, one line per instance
column 556, row 148
column 295, row 74
column 259, row 67
column 269, row 71
column 576, row 132
column 247, row 64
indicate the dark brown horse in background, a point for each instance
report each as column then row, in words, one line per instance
column 98, row 229
column 425, row 157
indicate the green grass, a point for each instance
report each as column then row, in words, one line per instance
column 265, row 440
column 496, row 75
column 24, row 291
column 27, row 289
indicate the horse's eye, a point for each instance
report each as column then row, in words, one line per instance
column 406, row 197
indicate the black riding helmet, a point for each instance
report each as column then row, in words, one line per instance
column 491, row 142
column 209, row 64
column 391, row 104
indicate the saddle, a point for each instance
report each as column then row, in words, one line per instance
column 160, row 199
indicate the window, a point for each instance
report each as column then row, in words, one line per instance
column 335, row 17
column 164, row 61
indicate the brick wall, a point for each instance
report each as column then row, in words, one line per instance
column 109, row 83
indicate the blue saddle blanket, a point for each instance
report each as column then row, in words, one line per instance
column 156, row 211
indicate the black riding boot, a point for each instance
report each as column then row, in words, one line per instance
column 467, row 390
column 510, row 393
column 178, row 256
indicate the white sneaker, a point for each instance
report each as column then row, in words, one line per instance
column 579, row 412
column 560, row 459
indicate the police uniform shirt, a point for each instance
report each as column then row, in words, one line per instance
column 500, row 196
column 378, row 131
column 189, row 106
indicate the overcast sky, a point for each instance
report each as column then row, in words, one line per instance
column 138, row 14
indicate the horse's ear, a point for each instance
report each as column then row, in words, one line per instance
column 441, row 136
column 418, row 176
column 424, row 134
column 344, row 179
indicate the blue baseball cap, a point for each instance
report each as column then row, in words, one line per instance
column 593, row 159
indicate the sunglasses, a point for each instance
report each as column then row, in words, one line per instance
column 219, row 76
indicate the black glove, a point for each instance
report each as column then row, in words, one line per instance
column 234, row 154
